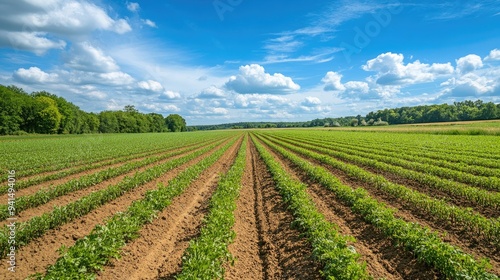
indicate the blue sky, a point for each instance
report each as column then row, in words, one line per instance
column 219, row 61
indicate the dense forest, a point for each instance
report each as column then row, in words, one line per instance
column 46, row 113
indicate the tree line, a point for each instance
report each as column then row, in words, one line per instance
column 458, row 111
column 45, row 113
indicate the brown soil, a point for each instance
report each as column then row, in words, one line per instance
column 43, row 251
column 457, row 200
column 382, row 258
column 74, row 196
column 266, row 247
column 51, row 183
column 157, row 253
column 455, row 235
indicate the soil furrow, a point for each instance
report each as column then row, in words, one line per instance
column 157, row 253
column 382, row 258
column 266, row 247
column 43, row 251
column 73, row 196
column 47, row 184
column 455, row 235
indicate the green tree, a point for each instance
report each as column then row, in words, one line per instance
column 49, row 116
column 175, row 123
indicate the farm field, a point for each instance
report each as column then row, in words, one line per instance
column 260, row 204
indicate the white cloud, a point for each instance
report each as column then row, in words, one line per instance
column 494, row 55
column 33, row 41
column 168, row 94
column 356, row 87
column 262, row 101
column 34, row 75
column 211, row 92
column 149, row 23
column 253, row 79
column 85, row 57
column 332, row 81
column 392, row 71
column 311, row 101
column 133, row 7
column 117, row 78
column 469, row 63
column 38, row 26
column 150, row 85
column 471, row 84
column 162, row 108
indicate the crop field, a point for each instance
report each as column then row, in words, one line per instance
column 260, row 204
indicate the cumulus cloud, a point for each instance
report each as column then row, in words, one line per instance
column 34, row 75
column 311, row 101
column 472, row 85
column 150, row 85
column 36, row 25
column 494, row 55
column 469, row 63
column 85, row 57
column 253, row 79
column 332, row 82
column 33, row 41
column 356, row 87
column 212, row 92
column 168, row 94
column 392, row 71
column 262, row 101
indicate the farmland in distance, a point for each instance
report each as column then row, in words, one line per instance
column 252, row 204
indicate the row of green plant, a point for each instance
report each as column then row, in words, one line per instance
column 206, row 255
column 476, row 195
column 339, row 259
column 489, row 183
column 39, row 225
column 425, row 244
column 91, row 253
column 488, row 229
column 45, row 195
column 417, row 157
column 37, row 154
column 475, row 151
column 22, row 184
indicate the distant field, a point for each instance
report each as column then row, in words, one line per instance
column 253, row 204
column 490, row 127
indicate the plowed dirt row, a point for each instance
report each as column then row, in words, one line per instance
column 41, row 252
column 32, row 189
column 382, row 258
column 157, row 253
column 73, row 196
column 455, row 235
column 266, row 247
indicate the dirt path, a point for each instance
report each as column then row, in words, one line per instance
column 266, row 247
column 157, row 253
column 382, row 258
column 41, row 252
